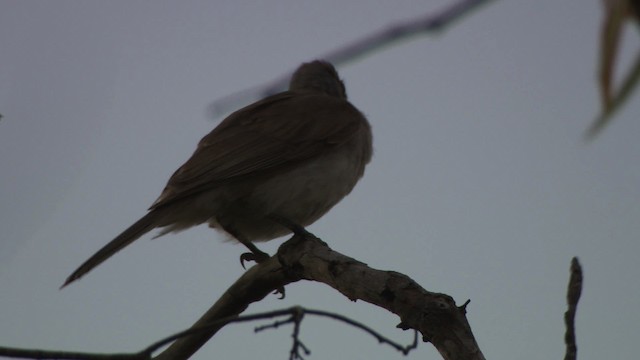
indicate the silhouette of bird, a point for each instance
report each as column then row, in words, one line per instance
column 268, row 169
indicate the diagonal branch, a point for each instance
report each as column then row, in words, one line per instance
column 435, row 315
column 425, row 24
column 254, row 285
column 295, row 316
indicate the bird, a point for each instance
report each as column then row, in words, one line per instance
column 267, row 170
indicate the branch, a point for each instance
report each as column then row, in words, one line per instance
column 67, row 355
column 426, row 24
column 296, row 314
column 573, row 295
column 255, row 284
column 434, row 315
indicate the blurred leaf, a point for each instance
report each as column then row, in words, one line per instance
column 626, row 89
column 609, row 39
column 635, row 7
column 617, row 12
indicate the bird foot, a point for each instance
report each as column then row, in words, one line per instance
column 280, row 291
column 256, row 256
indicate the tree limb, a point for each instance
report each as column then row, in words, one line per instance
column 252, row 286
column 435, row 315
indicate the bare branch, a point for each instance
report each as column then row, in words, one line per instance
column 296, row 315
column 294, row 354
column 426, row 24
column 299, row 312
column 256, row 283
column 435, row 315
column 573, row 296
column 68, row 355
column 215, row 325
column 381, row 339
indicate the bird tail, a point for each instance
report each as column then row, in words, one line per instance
column 135, row 231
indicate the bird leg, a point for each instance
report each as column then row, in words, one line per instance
column 255, row 254
column 295, row 228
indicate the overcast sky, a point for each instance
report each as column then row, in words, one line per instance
column 480, row 187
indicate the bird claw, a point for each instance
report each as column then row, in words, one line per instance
column 252, row 256
column 280, row 291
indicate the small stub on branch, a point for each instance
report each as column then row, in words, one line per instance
column 573, row 296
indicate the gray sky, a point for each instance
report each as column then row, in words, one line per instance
column 481, row 186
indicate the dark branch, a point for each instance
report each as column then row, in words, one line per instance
column 381, row 339
column 294, row 354
column 435, row 315
column 573, row 296
column 296, row 314
column 255, row 284
column 70, row 355
column 426, row 24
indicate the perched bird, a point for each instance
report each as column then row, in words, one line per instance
column 267, row 170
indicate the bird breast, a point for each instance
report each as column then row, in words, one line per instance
column 301, row 195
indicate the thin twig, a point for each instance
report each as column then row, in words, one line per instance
column 299, row 312
column 67, row 355
column 426, row 24
column 434, row 315
column 296, row 315
column 294, row 354
column 381, row 339
column 144, row 354
column 232, row 319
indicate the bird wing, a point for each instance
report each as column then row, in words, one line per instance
column 270, row 135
